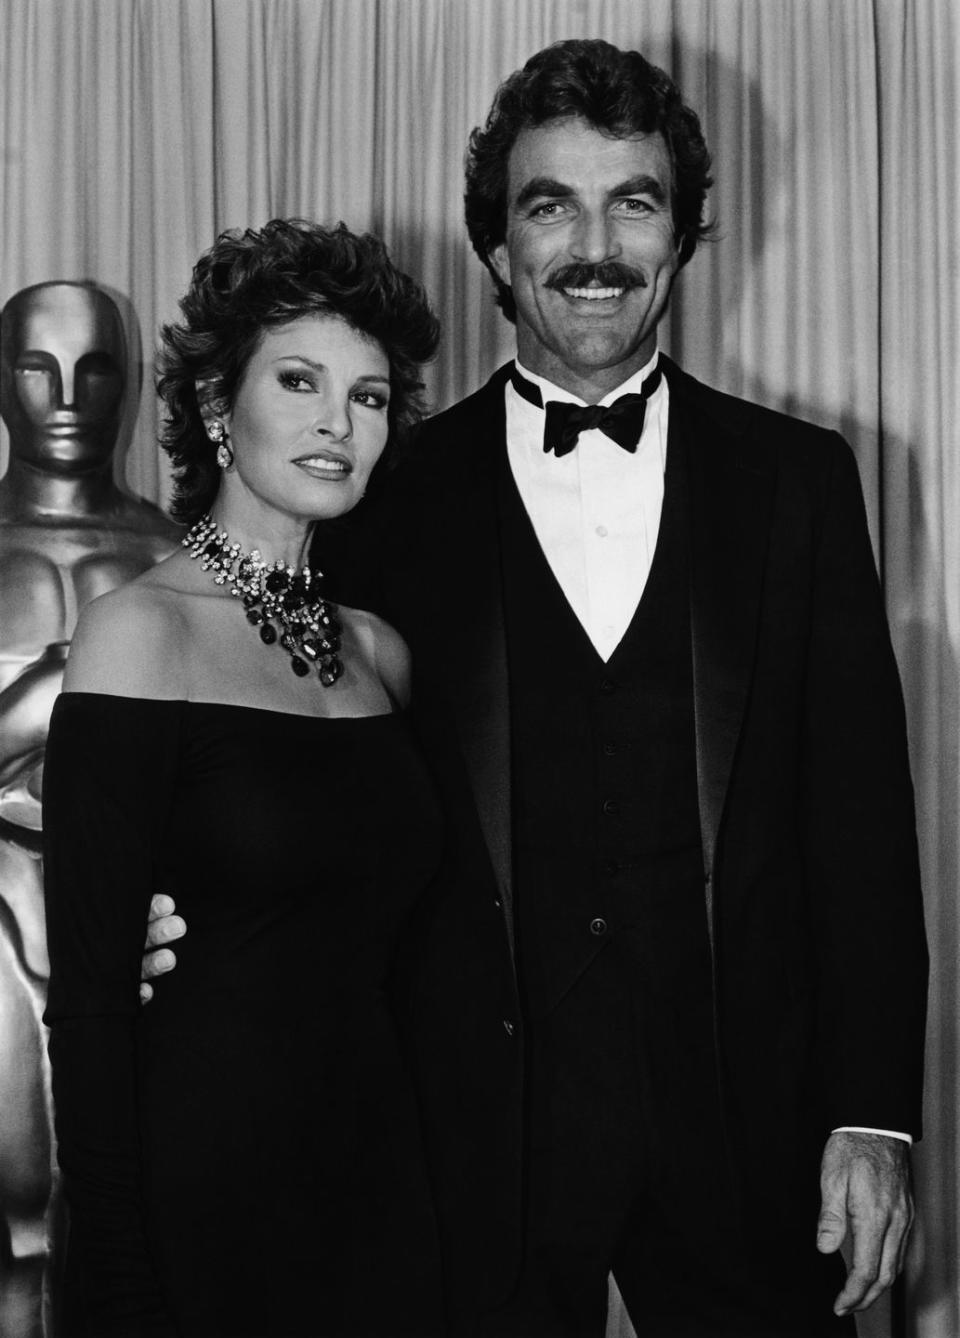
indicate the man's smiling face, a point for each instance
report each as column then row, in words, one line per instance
column 589, row 253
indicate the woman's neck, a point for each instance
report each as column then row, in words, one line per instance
column 277, row 538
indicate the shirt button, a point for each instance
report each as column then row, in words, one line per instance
column 508, row 1026
column 598, row 926
column 610, row 807
column 602, row 531
column 608, row 687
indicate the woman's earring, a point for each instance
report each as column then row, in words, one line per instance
column 218, row 434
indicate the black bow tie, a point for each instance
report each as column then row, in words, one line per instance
column 621, row 421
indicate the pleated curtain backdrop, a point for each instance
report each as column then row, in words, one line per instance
column 134, row 130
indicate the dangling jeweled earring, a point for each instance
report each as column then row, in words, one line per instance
column 218, row 434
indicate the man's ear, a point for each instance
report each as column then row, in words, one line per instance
column 500, row 263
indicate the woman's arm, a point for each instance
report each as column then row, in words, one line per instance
column 109, row 775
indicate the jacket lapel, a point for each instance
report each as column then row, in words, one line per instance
column 730, row 490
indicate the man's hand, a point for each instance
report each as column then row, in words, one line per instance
column 865, row 1182
column 162, row 927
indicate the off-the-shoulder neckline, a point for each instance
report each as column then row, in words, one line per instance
column 227, row 706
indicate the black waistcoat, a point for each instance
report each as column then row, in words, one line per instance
column 606, row 827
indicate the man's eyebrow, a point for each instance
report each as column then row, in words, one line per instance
column 537, row 187
column 644, row 184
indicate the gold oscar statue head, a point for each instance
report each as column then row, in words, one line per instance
column 63, row 376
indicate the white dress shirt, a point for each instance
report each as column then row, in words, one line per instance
column 596, row 515
column 596, row 511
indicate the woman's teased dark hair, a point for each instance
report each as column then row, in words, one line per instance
column 249, row 281
column 617, row 92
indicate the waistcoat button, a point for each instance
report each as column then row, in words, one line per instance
column 610, row 807
column 608, row 687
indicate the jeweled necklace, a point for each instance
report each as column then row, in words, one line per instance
column 306, row 623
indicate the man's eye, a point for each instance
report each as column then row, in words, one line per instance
column 631, row 205
column 549, row 209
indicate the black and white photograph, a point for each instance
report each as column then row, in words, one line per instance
column 479, row 669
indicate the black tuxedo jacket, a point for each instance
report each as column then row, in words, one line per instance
column 810, row 863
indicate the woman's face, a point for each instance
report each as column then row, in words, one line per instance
column 309, row 420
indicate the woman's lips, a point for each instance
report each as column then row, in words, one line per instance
column 322, row 466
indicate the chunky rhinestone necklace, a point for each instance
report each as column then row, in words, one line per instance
column 282, row 602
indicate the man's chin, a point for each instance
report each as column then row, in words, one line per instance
column 601, row 352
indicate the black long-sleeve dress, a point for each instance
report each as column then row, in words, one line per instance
column 240, row 1156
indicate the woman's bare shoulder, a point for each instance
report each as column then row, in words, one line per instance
column 129, row 642
column 385, row 651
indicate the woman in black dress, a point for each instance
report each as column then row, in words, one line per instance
column 242, row 1157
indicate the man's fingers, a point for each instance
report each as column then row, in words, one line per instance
column 864, row 1270
column 905, row 1236
column 146, row 992
column 832, row 1222
column 831, row 1227
column 156, row 963
column 892, row 1253
column 164, row 931
column 889, row 1265
column 160, row 905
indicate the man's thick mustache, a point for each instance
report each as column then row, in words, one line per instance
column 608, row 274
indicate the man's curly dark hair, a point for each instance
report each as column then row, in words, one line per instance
column 617, row 92
column 252, row 280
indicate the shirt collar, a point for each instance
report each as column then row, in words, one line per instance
column 549, row 391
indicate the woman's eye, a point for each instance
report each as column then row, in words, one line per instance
column 370, row 399
column 295, row 381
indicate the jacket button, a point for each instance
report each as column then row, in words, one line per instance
column 508, row 1026
column 598, row 926
column 610, row 807
column 609, row 867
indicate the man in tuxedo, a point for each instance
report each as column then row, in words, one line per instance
column 667, row 1001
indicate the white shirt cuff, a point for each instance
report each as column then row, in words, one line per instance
column 861, row 1129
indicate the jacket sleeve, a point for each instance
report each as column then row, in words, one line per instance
column 108, row 776
column 859, row 836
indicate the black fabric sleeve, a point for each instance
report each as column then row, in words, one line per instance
column 108, row 775
column 859, row 833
